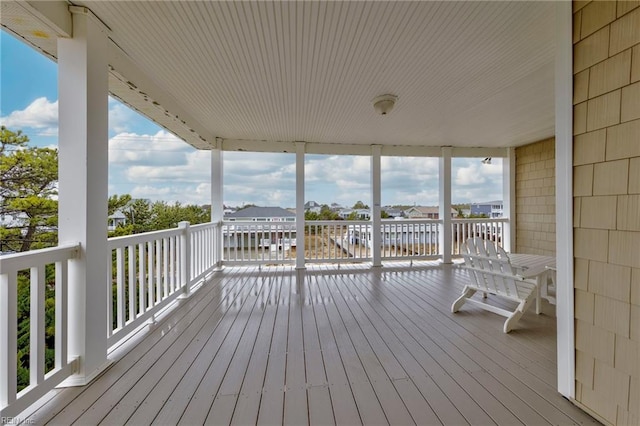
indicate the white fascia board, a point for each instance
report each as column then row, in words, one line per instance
column 124, row 69
column 357, row 149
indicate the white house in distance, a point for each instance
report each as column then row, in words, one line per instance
column 425, row 212
column 361, row 214
column 116, row 219
column 312, row 206
column 249, row 233
column 492, row 209
column 261, row 214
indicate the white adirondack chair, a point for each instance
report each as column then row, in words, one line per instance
column 491, row 272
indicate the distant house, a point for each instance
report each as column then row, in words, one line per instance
column 335, row 207
column 261, row 214
column 360, row 214
column 492, row 209
column 426, row 212
column 271, row 230
column 312, row 206
column 116, row 219
column 392, row 211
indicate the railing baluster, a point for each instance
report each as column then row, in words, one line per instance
column 142, row 279
column 150, row 269
column 110, row 301
column 120, row 312
column 8, row 337
column 36, row 326
column 61, row 314
column 172, row 264
column 158, row 260
column 165, row 266
column 133, row 313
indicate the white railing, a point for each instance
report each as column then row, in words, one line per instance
column 337, row 241
column 204, row 247
column 410, row 239
column 29, row 272
column 150, row 270
column 486, row 228
column 340, row 241
column 249, row 242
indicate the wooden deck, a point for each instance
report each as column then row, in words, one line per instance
column 326, row 346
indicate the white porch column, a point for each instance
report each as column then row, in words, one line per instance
column 564, row 201
column 217, row 206
column 83, row 193
column 445, row 204
column 509, row 199
column 376, row 196
column 300, row 147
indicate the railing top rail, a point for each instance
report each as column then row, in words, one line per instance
column 25, row 260
column 337, row 222
column 481, row 220
column 250, row 223
column 400, row 221
column 205, row 225
column 129, row 240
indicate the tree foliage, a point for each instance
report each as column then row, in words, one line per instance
column 144, row 216
column 28, row 190
column 360, row 205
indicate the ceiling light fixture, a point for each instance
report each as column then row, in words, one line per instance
column 486, row 160
column 383, row 104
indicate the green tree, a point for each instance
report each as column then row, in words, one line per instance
column 309, row 215
column 118, row 202
column 327, row 214
column 360, row 205
column 28, row 187
column 139, row 216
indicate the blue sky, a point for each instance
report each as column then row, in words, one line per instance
column 146, row 161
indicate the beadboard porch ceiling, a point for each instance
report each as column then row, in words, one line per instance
column 467, row 74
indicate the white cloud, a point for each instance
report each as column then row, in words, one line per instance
column 41, row 114
column 163, row 148
column 191, row 167
column 120, row 117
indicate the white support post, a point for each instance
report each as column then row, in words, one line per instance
column 83, row 176
column 509, row 200
column 376, row 197
column 217, row 203
column 300, row 149
column 564, row 200
column 185, row 259
column 445, row 204
column 8, row 337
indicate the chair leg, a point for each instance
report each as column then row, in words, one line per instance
column 466, row 293
column 516, row 315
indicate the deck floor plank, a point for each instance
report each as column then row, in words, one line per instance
column 195, row 357
column 395, row 410
column 125, row 372
column 248, row 405
column 358, row 345
column 200, row 404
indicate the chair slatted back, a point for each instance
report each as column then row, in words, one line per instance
column 490, row 268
